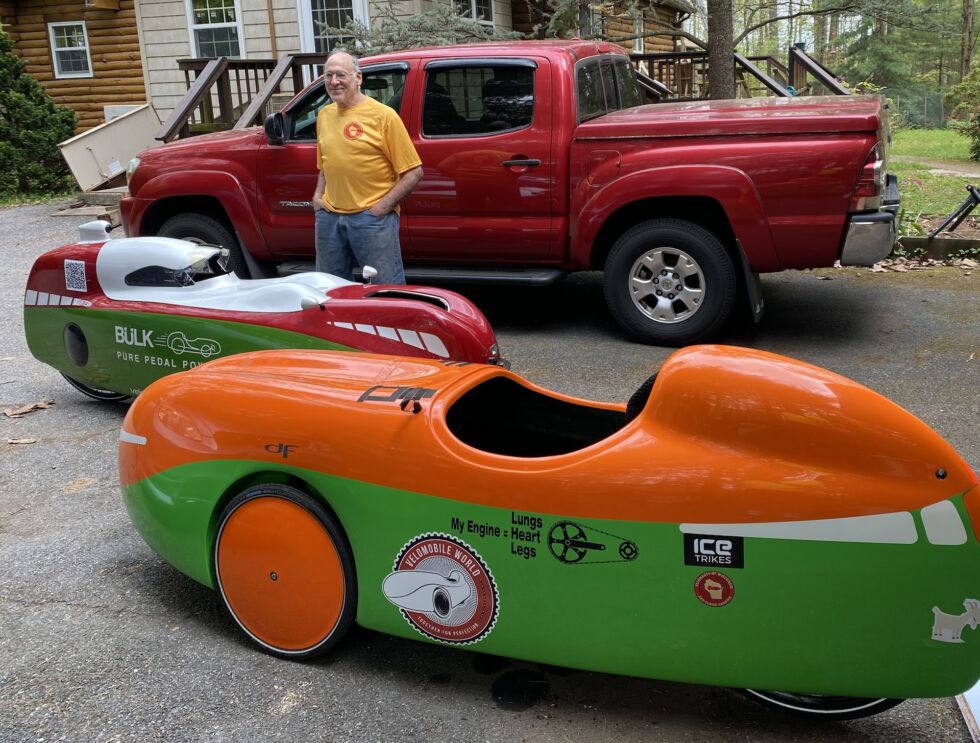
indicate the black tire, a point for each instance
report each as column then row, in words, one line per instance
column 96, row 393
column 819, row 706
column 206, row 230
column 689, row 266
column 265, row 584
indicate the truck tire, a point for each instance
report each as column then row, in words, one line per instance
column 201, row 228
column 670, row 282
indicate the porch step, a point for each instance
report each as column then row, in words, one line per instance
column 105, row 197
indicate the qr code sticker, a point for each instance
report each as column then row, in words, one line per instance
column 75, row 276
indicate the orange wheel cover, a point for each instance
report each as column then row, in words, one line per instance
column 280, row 573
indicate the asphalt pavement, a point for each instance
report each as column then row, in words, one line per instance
column 102, row 641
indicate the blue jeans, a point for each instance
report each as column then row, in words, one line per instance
column 361, row 239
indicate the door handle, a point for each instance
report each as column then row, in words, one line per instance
column 526, row 162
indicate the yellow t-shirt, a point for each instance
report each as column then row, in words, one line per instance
column 362, row 151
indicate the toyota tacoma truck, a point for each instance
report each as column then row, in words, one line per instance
column 541, row 158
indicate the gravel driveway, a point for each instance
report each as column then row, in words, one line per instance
column 102, row 641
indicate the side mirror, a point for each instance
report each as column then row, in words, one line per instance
column 274, row 129
column 369, row 273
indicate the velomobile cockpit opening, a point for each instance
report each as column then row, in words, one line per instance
column 205, row 263
column 501, row 416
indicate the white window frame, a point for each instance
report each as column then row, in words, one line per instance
column 472, row 16
column 54, row 50
column 639, row 43
column 192, row 27
column 306, row 31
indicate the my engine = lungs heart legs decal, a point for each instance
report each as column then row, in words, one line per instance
column 575, row 544
column 444, row 589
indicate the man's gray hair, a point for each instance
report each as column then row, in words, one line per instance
column 343, row 50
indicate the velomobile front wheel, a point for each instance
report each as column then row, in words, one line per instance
column 284, row 571
column 822, row 706
column 96, row 393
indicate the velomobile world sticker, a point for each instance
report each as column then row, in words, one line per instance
column 444, row 589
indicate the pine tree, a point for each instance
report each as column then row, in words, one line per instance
column 31, row 125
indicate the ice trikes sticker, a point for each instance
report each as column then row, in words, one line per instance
column 444, row 589
column 704, row 550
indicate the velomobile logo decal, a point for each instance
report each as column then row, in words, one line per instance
column 385, row 393
column 949, row 627
column 177, row 342
column 75, row 276
column 425, row 341
column 705, row 550
column 574, row 544
column 281, row 449
column 444, row 589
column 34, row 298
column 883, row 528
column 714, row 589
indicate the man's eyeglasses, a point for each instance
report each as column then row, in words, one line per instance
column 340, row 76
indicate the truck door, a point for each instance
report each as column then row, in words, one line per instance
column 484, row 134
column 287, row 173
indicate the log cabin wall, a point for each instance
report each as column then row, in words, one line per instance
column 113, row 44
column 524, row 20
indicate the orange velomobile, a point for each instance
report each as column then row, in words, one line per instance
column 746, row 520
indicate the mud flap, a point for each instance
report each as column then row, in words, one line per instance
column 753, row 287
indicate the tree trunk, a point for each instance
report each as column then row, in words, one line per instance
column 721, row 50
column 966, row 50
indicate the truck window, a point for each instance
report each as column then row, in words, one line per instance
column 605, row 84
column 472, row 101
column 629, row 89
column 385, row 86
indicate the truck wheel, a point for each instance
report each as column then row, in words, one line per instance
column 200, row 228
column 670, row 282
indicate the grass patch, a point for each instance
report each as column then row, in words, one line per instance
column 928, row 195
column 931, row 144
column 25, row 199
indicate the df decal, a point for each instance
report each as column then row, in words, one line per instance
column 444, row 589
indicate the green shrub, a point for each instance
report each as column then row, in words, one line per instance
column 31, row 125
column 963, row 101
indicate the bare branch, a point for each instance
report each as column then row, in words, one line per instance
column 846, row 7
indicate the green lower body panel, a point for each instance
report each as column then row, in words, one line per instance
column 126, row 351
column 875, row 620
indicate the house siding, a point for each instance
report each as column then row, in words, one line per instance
column 117, row 76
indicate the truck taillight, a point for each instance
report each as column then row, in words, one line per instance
column 870, row 186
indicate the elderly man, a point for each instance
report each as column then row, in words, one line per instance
column 367, row 165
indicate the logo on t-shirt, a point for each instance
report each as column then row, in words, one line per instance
column 353, row 130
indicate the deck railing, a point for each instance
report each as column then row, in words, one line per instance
column 236, row 93
column 218, row 91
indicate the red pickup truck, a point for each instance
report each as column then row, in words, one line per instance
column 540, row 159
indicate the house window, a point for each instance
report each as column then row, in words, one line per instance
column 638, row 29
column 69, row 49
column 215, row 28
column 479, row 10
column 330, row 14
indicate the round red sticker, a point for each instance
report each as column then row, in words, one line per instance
column 714, row 589
column 353, row 130
column 444, row 589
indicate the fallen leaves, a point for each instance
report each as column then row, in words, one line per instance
column 901, row 264
column 25, row 409
column 76, row 486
